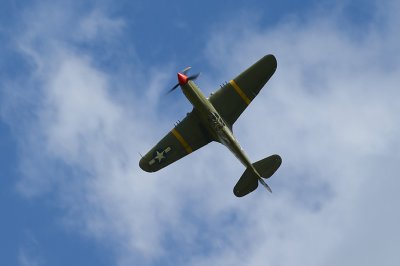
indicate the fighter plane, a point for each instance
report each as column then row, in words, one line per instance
column 212, row 119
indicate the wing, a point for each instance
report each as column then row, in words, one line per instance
column 188, row 136
column 233, row 98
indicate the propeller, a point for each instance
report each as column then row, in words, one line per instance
column 183, row 78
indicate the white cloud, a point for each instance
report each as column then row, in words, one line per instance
column 96, row 26
column 330, row 111
column 29, row 254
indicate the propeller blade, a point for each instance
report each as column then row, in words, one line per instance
column 173, row 88
column 264, row 184
column 193, row 77
column 185, row 71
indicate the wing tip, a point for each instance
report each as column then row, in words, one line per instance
column 272, row 60
column 144, row 165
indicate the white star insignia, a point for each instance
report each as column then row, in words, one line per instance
column 159, row 156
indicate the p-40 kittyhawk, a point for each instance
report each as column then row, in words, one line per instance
column 212, row 119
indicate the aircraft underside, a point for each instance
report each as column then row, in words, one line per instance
column 212, row 120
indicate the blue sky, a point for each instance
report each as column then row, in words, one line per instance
column 82, row 91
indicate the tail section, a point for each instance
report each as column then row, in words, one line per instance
column 265, row 168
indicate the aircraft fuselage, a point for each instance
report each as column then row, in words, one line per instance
column 214, row 122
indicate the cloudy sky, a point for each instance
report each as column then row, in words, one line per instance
column 82, row 92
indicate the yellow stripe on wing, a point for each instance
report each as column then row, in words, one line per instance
column 179, row 137
column 240, row 92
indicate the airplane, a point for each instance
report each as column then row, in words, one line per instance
column 212, row 119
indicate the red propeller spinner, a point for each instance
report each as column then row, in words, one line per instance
column 182, row 78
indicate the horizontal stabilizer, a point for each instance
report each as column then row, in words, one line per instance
column 247, row 183
column 268, row 166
